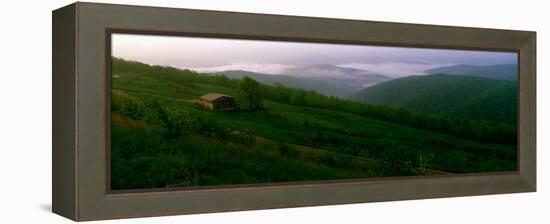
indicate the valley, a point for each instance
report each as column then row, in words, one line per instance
column 304, row 131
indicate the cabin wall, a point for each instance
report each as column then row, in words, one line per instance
column 219, row 104
column 225, row 103
column 207, row 104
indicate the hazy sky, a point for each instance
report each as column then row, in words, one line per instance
column 214, row 54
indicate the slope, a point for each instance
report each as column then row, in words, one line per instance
column 462, row 96
column 501, row 71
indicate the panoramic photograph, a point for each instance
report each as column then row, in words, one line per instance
column 195, row 111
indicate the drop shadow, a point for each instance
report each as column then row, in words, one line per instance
column 46, row 207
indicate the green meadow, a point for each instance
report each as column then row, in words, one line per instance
column 161, row 137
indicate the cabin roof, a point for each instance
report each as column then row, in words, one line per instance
column 213, row 96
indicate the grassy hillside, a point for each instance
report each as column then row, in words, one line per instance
column 461, row 96
column 162, row 138
column 501, row 72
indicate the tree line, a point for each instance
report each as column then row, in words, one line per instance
column 251, row 93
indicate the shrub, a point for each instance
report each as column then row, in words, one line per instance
column 174, row 122
column 244, row 137
column 127, row 107
column 287, row 150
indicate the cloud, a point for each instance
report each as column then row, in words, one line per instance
column 394, row 69
column 266, row 68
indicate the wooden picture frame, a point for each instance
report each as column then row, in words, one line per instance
column 81, row 111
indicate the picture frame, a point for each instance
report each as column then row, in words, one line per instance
column 81, row 111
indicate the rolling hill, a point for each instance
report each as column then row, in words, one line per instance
column 159, row 129
column 339, row 89
column 353, row 78
column 326, row 79
column 462, row 96
column 501, row 72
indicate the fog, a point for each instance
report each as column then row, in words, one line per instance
column 273, row 57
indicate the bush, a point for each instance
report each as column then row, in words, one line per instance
column 150, row 171
column 175, row 122
column 127, row 107
column 244, row 137
column 287, row 150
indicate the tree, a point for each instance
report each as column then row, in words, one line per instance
column 297, row 98
column 249, row 95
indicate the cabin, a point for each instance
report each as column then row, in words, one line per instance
column 216, row 101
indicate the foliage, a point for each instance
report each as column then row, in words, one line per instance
column 483, row 130
column 127, row 107
column 465, row 97
column 249, row 96
column 500, row 72
column 298, row 135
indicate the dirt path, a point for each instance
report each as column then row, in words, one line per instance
column 352, row 157
column 299, row 147
column 161, row 96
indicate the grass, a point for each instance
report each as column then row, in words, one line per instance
column 160, row 138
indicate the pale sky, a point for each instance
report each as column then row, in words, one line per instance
column 215, row 54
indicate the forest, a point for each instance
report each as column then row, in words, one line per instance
column 162, row 137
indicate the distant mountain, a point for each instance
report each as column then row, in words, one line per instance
column 461, row 96
column 502, row 72
column 323, row 78
column 320, row 86
column 355, row 78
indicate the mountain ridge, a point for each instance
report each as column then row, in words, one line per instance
column 463, row 96
column 291, row 81
column 359, row 78
column 496, row 71
column 324, row 78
